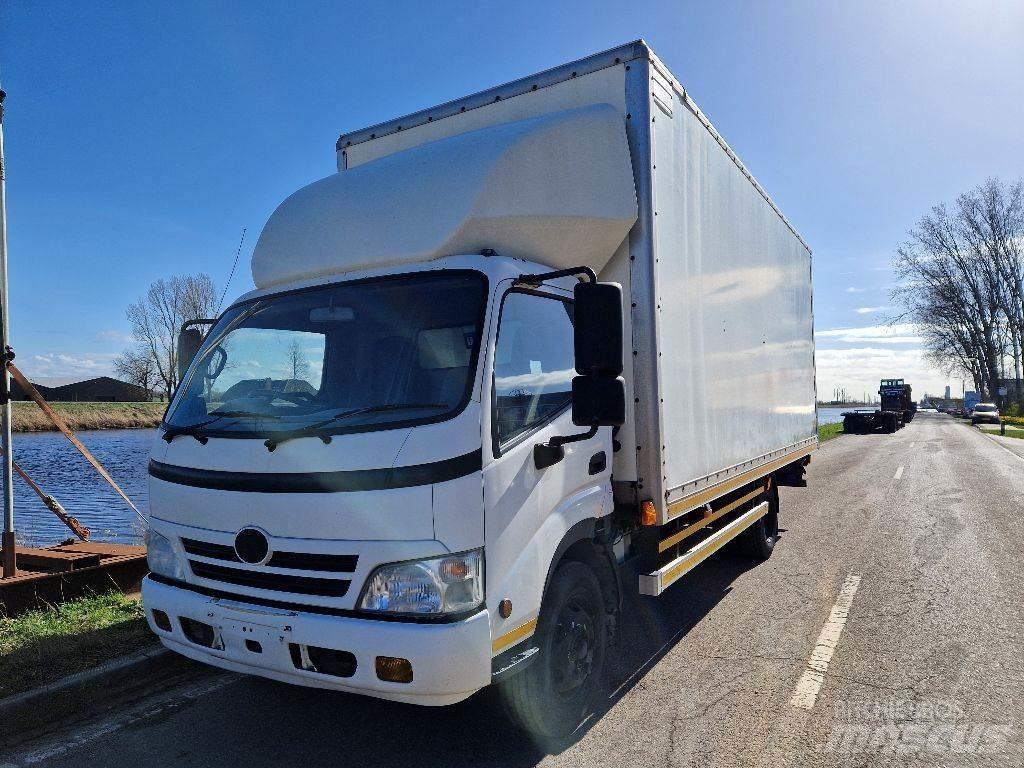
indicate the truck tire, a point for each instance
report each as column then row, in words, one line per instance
column 890, row 423
column 555, row 694
column 848, row 425
column 761, row 537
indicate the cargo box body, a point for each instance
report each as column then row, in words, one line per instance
column 719, row 336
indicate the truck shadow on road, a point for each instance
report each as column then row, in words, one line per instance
column 258, row 722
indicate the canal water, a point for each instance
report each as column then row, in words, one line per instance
column 62, row 472
column 835, row 415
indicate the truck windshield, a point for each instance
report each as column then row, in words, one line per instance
column 359, row 356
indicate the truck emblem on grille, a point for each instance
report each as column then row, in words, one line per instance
column 252, row 547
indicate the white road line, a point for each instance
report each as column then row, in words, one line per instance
column 78, row 737
column 807, row 687
column 899, row 473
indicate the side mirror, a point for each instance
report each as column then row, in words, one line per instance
column 598, row 393
column 597, row 328
column 189, row 341
column 598, row 401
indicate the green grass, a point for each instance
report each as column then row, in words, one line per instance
column 829, row 431
column 993, row 429
column 45, row 645
column 28, row 417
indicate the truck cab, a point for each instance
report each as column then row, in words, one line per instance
column 320, row 474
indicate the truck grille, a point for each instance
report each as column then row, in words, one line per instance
column 277, row 582
column 298, row 561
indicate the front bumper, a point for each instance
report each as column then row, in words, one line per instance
column 450, row 662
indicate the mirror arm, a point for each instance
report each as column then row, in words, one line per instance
column 552, row 452
column 185, row 326
column 540, row 277
column 579, row 436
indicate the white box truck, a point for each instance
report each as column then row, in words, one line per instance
column 524, row 351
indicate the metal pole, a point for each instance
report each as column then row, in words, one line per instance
column 9, row 562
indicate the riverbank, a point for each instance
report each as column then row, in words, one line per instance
column 42, row 646
column 27, row 416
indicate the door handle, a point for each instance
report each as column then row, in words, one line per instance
column 598, row 462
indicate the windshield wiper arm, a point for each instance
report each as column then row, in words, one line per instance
column 313, row 430
column 193, row 429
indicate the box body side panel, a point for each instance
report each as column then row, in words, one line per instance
column 733, row 310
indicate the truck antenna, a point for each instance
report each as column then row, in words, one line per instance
column 231, row 274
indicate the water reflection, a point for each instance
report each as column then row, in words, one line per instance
column 54, row 464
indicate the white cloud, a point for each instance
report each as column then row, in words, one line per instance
column 859, row 369
column 898, row 333
column 854, row 289
column 114, row 335
column 63, row 365
column 869, row 310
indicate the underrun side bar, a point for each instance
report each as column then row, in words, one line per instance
column 655, row 583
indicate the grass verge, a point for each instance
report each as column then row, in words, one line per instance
column 829, row 431
column 45, row 645
column 29, row 418
column 1011, row 431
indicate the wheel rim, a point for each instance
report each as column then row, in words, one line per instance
column 572, row 649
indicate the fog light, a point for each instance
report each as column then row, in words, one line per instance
column 394, row 670
column 162, row 620
column 201, row 634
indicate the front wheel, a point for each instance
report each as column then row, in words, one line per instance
column 555, row 694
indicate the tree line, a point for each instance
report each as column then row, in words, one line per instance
column 962, row 283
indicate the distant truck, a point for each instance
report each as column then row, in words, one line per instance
column 896, row 409
column 523, row 348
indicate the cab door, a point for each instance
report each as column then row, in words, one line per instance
column 528, row 510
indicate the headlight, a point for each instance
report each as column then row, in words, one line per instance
column 161, row 556
column 449, row 584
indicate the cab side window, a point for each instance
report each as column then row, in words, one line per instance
column 533, row 363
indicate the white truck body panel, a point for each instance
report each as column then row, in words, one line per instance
column 733, row 355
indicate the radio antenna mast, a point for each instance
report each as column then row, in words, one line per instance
column 232, row 274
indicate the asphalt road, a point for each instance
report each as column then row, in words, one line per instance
column 886, row 630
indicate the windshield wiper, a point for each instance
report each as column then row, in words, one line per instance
column 192, row 430
column 313, row 430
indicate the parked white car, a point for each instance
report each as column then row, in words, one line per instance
column 985, row 412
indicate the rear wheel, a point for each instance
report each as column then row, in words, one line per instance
column 762, row 536
column 555, row 694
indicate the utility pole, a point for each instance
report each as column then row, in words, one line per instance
column 9, row 563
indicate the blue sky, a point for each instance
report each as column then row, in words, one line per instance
column 142, row 137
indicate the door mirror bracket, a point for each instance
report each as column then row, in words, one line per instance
column 552, row 452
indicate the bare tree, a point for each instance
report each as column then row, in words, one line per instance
column 157, row 317
column 297, row 361
column 964, row 283
column 137, row 366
